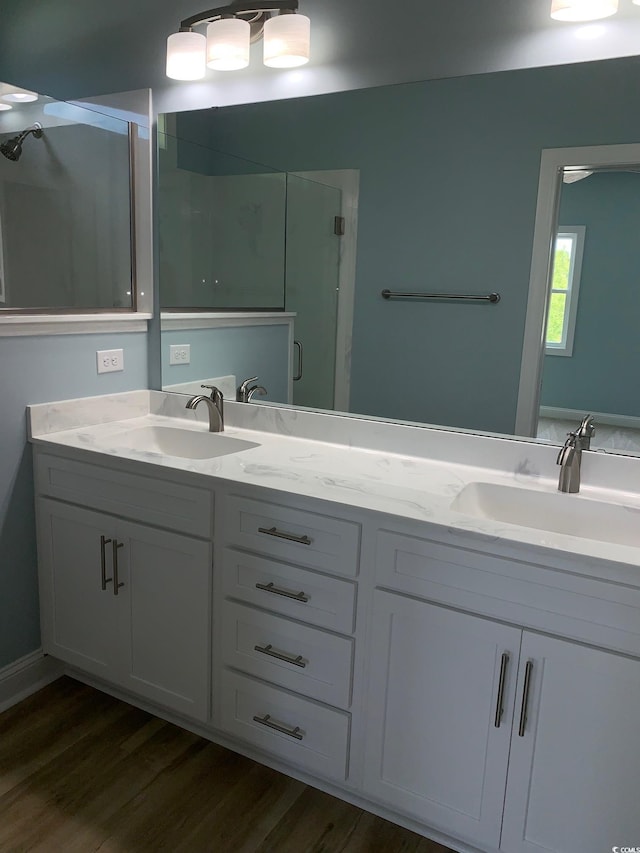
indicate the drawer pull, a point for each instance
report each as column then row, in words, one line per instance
column 285, row 730
column 103, row 562
column 269, row 587
column 269, row 650
column 500, row 701
column 116, row 581
column 290, row 537
column 528, row 670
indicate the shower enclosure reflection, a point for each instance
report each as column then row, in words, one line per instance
column 239, row 238
column 68, row 194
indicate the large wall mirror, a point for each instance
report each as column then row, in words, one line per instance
column 430, row 187
column 65, row 207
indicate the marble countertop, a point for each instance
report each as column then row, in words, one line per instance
column 417, row 486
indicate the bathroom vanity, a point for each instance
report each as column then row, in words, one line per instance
column 363, row 619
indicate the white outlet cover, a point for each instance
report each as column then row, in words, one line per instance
column 110, row 360
column 179, row 353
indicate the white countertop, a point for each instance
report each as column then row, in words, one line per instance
column 413, row 487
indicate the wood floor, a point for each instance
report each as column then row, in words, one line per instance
column 81, row 771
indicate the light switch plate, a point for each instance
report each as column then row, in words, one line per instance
column 179, row 353
column 110, row 360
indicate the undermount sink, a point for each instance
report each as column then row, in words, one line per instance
column 554, row 512
column 175, row 441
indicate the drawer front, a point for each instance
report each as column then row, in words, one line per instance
column 306, row 660
column 308, row 596
column 296, row 730
column 301, row 537
column 559, row 602
column 154, row 501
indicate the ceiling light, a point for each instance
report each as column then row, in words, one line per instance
column 582, row 10
column 572, row 176
column 15, row 95
column 5, row 107
column 230, row 31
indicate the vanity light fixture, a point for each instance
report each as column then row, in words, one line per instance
column 583, row 10
column 230, row 31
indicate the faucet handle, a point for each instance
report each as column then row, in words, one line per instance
column 215, row 392
column 568, row 450
column 587, row 427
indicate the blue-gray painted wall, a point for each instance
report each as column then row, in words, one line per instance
column 38, row 370
column 243, row 351
column 448, row 184
column 602, row 373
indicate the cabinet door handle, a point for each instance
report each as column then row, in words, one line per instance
column 103, row 563
column 269, row 587
column 528, row 671
column 285, row 730
column 298, row 375
column 296, row 660
column 116, row 581
column 501, row 683
column 279, row 534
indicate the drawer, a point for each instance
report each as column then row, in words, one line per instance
column 153, row 501
column 296, row 730
column 306, row 660
column 306, row 538
column 301, row 594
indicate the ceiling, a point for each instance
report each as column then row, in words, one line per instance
column 119, row 46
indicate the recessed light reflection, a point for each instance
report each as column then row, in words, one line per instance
column 591, row 32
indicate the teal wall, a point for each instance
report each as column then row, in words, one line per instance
column 448, row 185
column 602, row 373
column 38, row 370
column 243, row 351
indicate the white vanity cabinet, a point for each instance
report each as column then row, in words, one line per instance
column 124, row 601
column 284, row 618
column 498, row 736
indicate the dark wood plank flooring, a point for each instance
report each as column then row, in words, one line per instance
column 81, row 771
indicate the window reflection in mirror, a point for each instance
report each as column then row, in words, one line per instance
column 595, row 326
column 65, row 209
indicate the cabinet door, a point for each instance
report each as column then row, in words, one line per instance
column 80, row 622
column 574, row 772
column 167, row 596
column 433, row 748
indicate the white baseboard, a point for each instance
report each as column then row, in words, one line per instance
column 27, row 676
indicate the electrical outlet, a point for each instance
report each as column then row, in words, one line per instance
column 179, row 353
column 110, row 360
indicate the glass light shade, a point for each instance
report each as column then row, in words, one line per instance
column 186, row 56
column 286, row 41
column 582, row 10
column 228, row 43
column 19, row 96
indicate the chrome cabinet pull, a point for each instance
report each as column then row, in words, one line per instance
column 298, row 660
column 279, row 534
column 298, row 375
column 285, row 730
column 528, row 670
column 503, row 677
column 116, row 583
column 269, row 587
column 103, row 563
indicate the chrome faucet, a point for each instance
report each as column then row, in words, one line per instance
column 215, row 406
column 245, row 393
column 570, row 456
